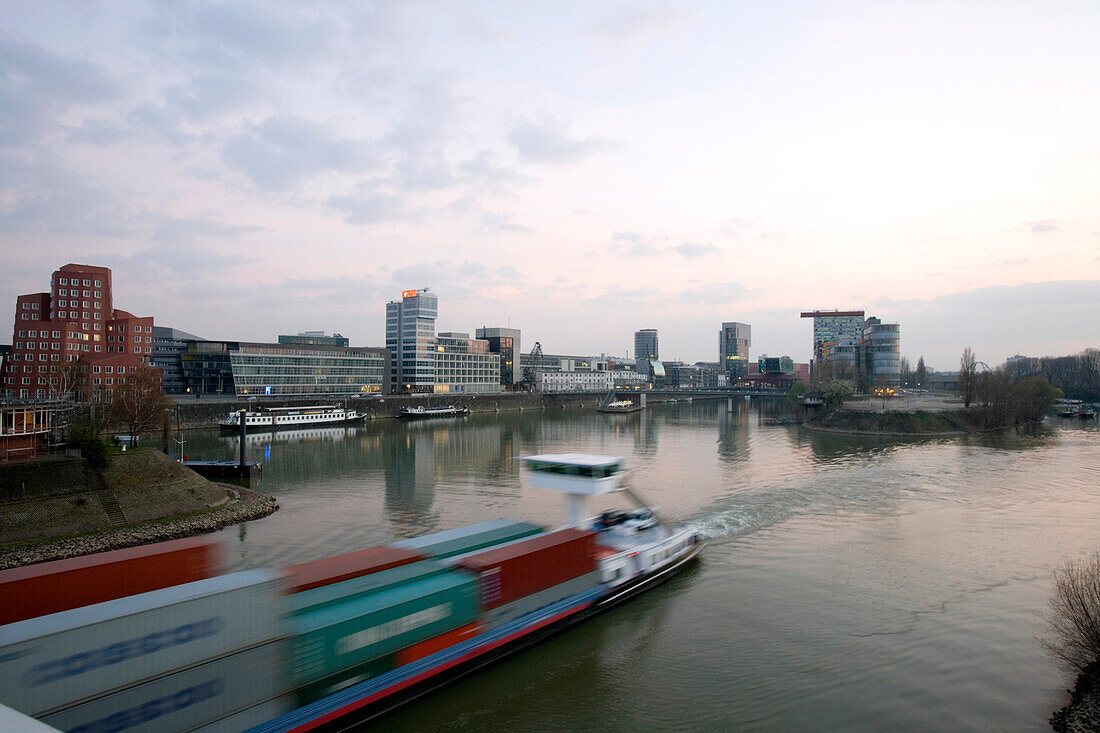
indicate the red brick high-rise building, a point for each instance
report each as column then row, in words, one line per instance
column 74, row 335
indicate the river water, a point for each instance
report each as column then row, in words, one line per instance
column 850, row 583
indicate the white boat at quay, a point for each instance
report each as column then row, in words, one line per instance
column 419, row 413
column 278, row 418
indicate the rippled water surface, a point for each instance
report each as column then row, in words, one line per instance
column 850, row 583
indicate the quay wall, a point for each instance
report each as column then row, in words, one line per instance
column 206, row 413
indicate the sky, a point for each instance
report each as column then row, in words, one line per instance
column 575, row 170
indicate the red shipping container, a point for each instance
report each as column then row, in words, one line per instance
column 438, row 643
column 49, row 587
column 328, row 570
column 511, row 572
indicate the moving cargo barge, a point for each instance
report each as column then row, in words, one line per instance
column 328, row 644
column 590, row 565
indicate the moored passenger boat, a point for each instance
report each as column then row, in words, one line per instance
column 280, row 418
column 420, row 413
column 620, row 406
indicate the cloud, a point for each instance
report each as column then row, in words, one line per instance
column 36, row 85
column 456, row 281
column 98, row 132
column 367, row 205
column 1036, row 319
column 42, row 195
column 174, row 230
column 238, row 35
column 694, row 249
column 616, row 297
column 1045, row 226
column 547, row 142
column 637, row 19
column 714, row 294
column 176, row 262
column 642, row 249
column 211, row 93
column 484, row 173
column 504, row 222
column 636, row 245
column 281, row 151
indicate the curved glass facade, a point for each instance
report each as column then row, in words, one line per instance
column 881, row 354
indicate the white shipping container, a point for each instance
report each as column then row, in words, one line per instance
column 183, row 700
column 501, row 615
column 61, row 659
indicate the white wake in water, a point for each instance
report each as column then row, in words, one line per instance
column 725, row 523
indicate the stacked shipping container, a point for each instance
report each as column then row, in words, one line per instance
column 329, row 570
column 468, row 539
column 521, row 568
column 248, row 646
column 79, row 666
column 50, row 587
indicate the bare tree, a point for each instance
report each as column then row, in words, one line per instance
column 1075, row 613
column 72, row 380
column 967, row 384
column 139, row 405
column 922, row 372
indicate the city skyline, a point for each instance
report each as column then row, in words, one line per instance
column 576, row 172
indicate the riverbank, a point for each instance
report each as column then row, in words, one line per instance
column 1082, row 714
column 241, row 505
column 894, row 423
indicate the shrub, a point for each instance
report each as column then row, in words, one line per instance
column 1075, row 613
column 85, row 436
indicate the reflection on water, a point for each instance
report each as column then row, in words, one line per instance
column 851, row 583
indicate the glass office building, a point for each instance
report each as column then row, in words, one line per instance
column 410, row 337
column 260, row 369
column 646, row 346
column 506, row 342
column 881, row 355
column 465, row 365
column 733, row 349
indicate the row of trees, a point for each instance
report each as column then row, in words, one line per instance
column 1001, row 399
column 1078, row 376
column 914, row 377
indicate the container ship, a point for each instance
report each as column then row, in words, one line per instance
column 154, row 639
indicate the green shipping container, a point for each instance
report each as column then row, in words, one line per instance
column 334, row 683
column 469, row 539
column 342, row 636
column 330, row 595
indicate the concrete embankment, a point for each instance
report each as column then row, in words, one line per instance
column 194, row 413
column 242, row 505
column 61, row 507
